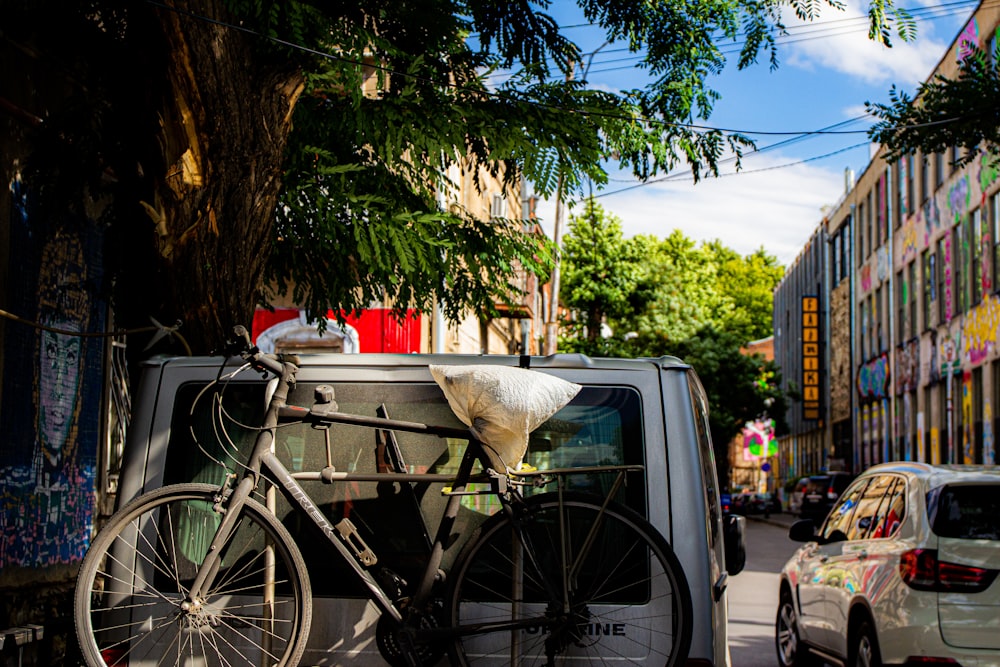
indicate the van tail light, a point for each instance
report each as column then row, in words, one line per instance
column 115, row 657
column 832, row 494
column 924, row 660
column 921, row 570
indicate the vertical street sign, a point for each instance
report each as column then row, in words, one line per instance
column 810, row 358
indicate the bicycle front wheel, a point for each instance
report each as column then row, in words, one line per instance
column 132, row 603
column 569, row 595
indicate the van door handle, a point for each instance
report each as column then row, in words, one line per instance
column 862, row 554
column 720, row 586
column 823, row 559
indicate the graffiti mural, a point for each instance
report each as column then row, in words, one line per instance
column 959, row 196
column 979, row 330
column 51, row 386
column 989, row 455
column 948, row 289
column 873, row 378
column 968, row 455
column 866, row 278
column 910, row 243
column 759, row 440
column 907, row 367
column 967, row 40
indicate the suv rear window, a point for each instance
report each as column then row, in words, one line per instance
column 601, row 426
column 966, row 512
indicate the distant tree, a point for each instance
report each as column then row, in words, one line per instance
column 600, row 270
column 748, row 284
column 740, row 387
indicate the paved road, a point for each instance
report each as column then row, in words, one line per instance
column 753, row 594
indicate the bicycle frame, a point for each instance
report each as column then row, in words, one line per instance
column 263, row 462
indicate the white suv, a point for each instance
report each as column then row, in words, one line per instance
column 902, row 572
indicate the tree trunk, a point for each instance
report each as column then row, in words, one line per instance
column 224, row 123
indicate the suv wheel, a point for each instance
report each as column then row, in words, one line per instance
column 791, row 651
column 864, row 648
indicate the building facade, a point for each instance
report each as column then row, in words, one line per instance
column 910, row 310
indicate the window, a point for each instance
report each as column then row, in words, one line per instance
column 908, row 185
column 966, row 512
column 942, row 270
column 994, row 226
column 930, row 286
column 864, row 329
column 911, row 295
column 976, row 258
column 837, row 266
column 938, row 170
column 873, row 231
column 606, row 423
column 842, row 515
column 878, row 311
column 976, row 427
column 863, row 245
column 958, row 276
column 901, row 295
column 891, row 509
column 925, row 168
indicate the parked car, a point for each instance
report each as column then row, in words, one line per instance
column 902, row 572
column 653, row 412
column 820, row 494
column 796, row 494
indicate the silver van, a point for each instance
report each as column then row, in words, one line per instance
column 651, row 412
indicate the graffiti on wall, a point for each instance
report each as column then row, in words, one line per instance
column 51, row 388
column 968, row 456
column 959, row 196
column 907, row 367
column 909, row 239
column 873, row 378
column 759, row 440
column 979, row 330
column 989, row 454
column 968, row 39
column 866, row 278
column 947, row 278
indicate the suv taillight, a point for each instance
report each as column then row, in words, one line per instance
column 832, row 494
column 115, row 657
column 921, row 570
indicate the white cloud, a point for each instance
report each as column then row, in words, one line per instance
column 845, row 48
column 778, row 209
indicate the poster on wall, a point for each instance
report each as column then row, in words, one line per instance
column 52, row 384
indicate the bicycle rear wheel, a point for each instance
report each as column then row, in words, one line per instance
column 132, row 600
column 627, row 603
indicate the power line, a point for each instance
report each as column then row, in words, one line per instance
column 669, row 178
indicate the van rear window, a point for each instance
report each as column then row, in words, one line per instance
column 966, row 512
column 601, row 426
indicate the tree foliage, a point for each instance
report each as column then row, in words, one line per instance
column 673, row 297
column 946, row 112
column 248, row 146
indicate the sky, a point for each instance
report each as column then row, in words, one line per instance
column 827, row 71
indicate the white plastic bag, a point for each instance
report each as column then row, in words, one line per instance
column 502, row 405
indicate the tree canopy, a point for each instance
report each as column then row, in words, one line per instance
column 946, row 112
column 701, row 303
column 241, row 147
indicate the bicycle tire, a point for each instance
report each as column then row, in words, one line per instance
column 631, row 604
column 132, row 584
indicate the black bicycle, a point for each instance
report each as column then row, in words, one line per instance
column 198, row 574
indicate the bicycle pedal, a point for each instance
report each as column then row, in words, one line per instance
column 349, row 533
